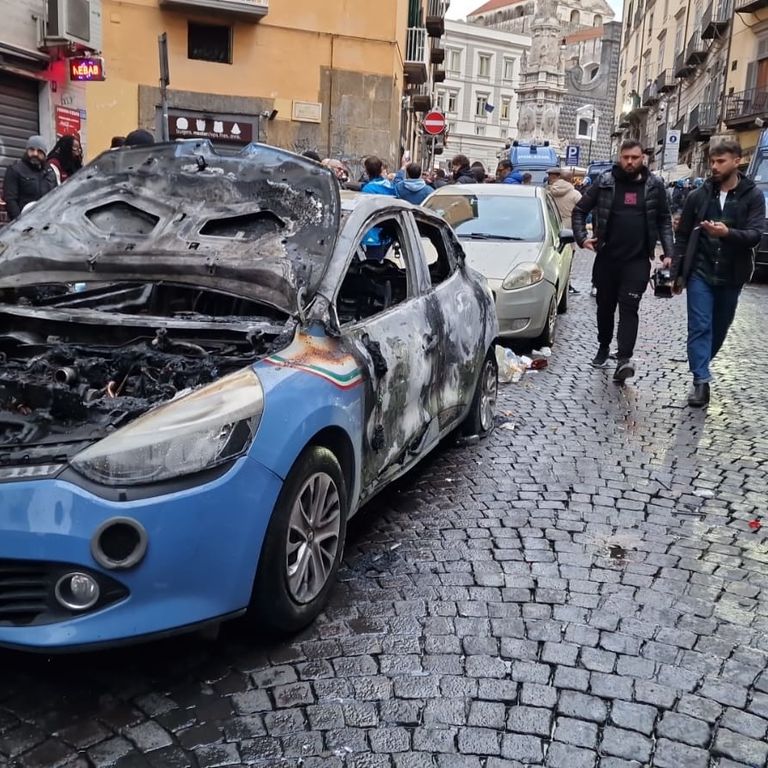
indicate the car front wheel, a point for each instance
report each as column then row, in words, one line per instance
column 547, row 337
column 303, row 545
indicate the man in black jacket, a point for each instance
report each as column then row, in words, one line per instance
column 28, row 179
column 722, row 222
column 630, row 213
column 462, row 173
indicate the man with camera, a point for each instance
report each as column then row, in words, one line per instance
column 630, row 213
column 721, row 223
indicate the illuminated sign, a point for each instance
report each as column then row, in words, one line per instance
column 86, row 69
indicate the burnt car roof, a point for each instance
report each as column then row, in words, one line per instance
column 261, row 224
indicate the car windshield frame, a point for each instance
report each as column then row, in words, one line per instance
column 521, row 227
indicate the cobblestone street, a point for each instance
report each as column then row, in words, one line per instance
column 583, row 589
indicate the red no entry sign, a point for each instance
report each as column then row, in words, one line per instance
column 434, row 123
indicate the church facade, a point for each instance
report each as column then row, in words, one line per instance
column 568, row 82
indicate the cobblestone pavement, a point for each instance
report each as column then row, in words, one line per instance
column 581, row 590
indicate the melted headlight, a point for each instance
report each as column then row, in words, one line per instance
column 194, row 432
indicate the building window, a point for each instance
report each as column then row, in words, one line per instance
column 481, row 102
column 585, row 123
column 454, row 61
column 451, row 127
column 506, row 108
column 679, row 36
column 650, row 25
column 209, row 42
column 638, row 37
column 484, row 65
column 453, row 98
column 509, row 69
column 666, row 8
column 597, row 21
column 660, row 62
column 479, row 130
column 575, row 17
column 440, row 101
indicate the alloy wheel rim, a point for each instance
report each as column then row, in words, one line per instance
column 313, row 537
column 488, row 395
column 552, row 318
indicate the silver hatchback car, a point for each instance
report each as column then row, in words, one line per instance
column 514, row 236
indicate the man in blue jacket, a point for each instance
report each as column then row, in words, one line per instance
column 377, row 184
column 410, row 186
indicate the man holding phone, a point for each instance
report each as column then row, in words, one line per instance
column 721, row 223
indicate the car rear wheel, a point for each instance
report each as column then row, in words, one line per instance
column 303, row 546
column 547, row 337
column 562, row 306
column 482, row 413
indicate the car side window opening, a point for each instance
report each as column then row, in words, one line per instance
column 441, row 262
column 378, row 276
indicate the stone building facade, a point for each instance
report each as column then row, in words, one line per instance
column 589, row 49
column 591, row 78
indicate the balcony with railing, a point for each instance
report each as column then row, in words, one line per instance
column 436, row 52
column 420, row 98
column 650, row 95
column 696, row 51
column 743, row 107
column 435, row 19
column 665, row 82
column 716, row 18
column 702, row 121
column 682, row 68
column 750, row 6
column 416, row 65
column 246, row 10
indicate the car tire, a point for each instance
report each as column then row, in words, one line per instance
column 547, row 336
column 562, row 306
column 482, row 413
column 297, row 571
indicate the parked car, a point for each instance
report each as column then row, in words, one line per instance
column 209, row 365
column 513, row 235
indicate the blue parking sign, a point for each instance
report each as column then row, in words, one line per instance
column 572, row 152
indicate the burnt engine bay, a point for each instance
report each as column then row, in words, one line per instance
column 77, row 365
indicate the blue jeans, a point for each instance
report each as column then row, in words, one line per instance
column 710, row 314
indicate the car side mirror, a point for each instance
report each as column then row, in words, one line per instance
column 566, row 238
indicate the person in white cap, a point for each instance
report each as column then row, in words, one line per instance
column 28, row 179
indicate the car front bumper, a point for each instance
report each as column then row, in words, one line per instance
column 522, row 313
column 203, row 549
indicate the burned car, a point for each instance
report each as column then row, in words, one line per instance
column 208, row 365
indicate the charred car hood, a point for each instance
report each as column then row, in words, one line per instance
column 261, row 224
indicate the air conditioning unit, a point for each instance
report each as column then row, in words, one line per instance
column 66, row 22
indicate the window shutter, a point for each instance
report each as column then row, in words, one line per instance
column 751, row 75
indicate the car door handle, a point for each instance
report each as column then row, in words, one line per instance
column 430, row 342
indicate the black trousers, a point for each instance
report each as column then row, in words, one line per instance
column 619, row 284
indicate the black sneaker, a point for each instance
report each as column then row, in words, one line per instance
column 601, row 358
column 624, row 370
